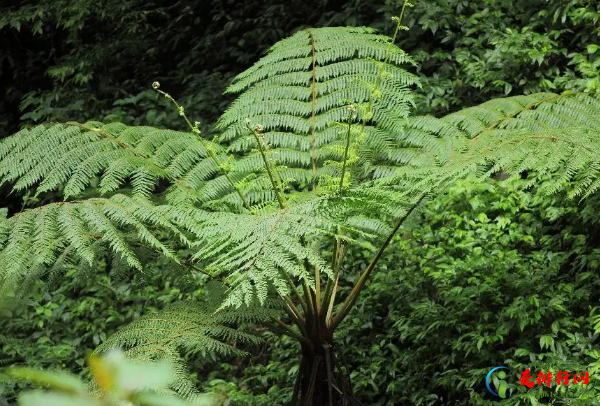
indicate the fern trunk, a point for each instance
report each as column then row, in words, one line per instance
column 320, row 381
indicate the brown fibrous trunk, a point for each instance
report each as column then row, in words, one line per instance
column 321, row 381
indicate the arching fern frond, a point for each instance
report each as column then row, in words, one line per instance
column 72, row 154
column 303, row 87
column 555, row 137
column 39, row 240
column 259, row 252
column 184, row 329
column 69, row 156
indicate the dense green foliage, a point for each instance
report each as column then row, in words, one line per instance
column 500, row 276
column 316, row 166
column 492, row 277
column 485, row 250
column 54, row 53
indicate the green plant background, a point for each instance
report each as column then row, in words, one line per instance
column 490, row 276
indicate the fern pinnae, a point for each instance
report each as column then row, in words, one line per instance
column 208, row 147
column 313, row 137
column 345, row 65
column 81, row 155
column 545, row 133
column 187, row 328
column 367, row 116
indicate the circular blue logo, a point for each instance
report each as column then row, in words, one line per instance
column 487, row 382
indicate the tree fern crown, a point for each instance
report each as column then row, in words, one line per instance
column 299, row 95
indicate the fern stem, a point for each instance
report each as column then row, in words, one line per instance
column 346, row 150
column 102, row 134
column 205, row 145
column 382, row 68
column 311, row 313
column 331, row 300
column 317, row 291
column 295, row 314
column 336, row 247
column 530, row 106
column 292, row 286
column 313, row 152
column 351, row 299
column 313, row 297
column 339, row 251
column 205, row 272
column 298, row 382
column 288, row 331
column 123, row 145
column 276, row 187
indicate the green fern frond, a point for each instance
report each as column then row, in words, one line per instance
column 41, row 240
column 254, row 249
column 184, row 329
column 555, row 137
column 80, row 152
column 118, row 154
column 304, row 85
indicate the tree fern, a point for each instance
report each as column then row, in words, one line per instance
column 317, row 151
column 254, row 249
